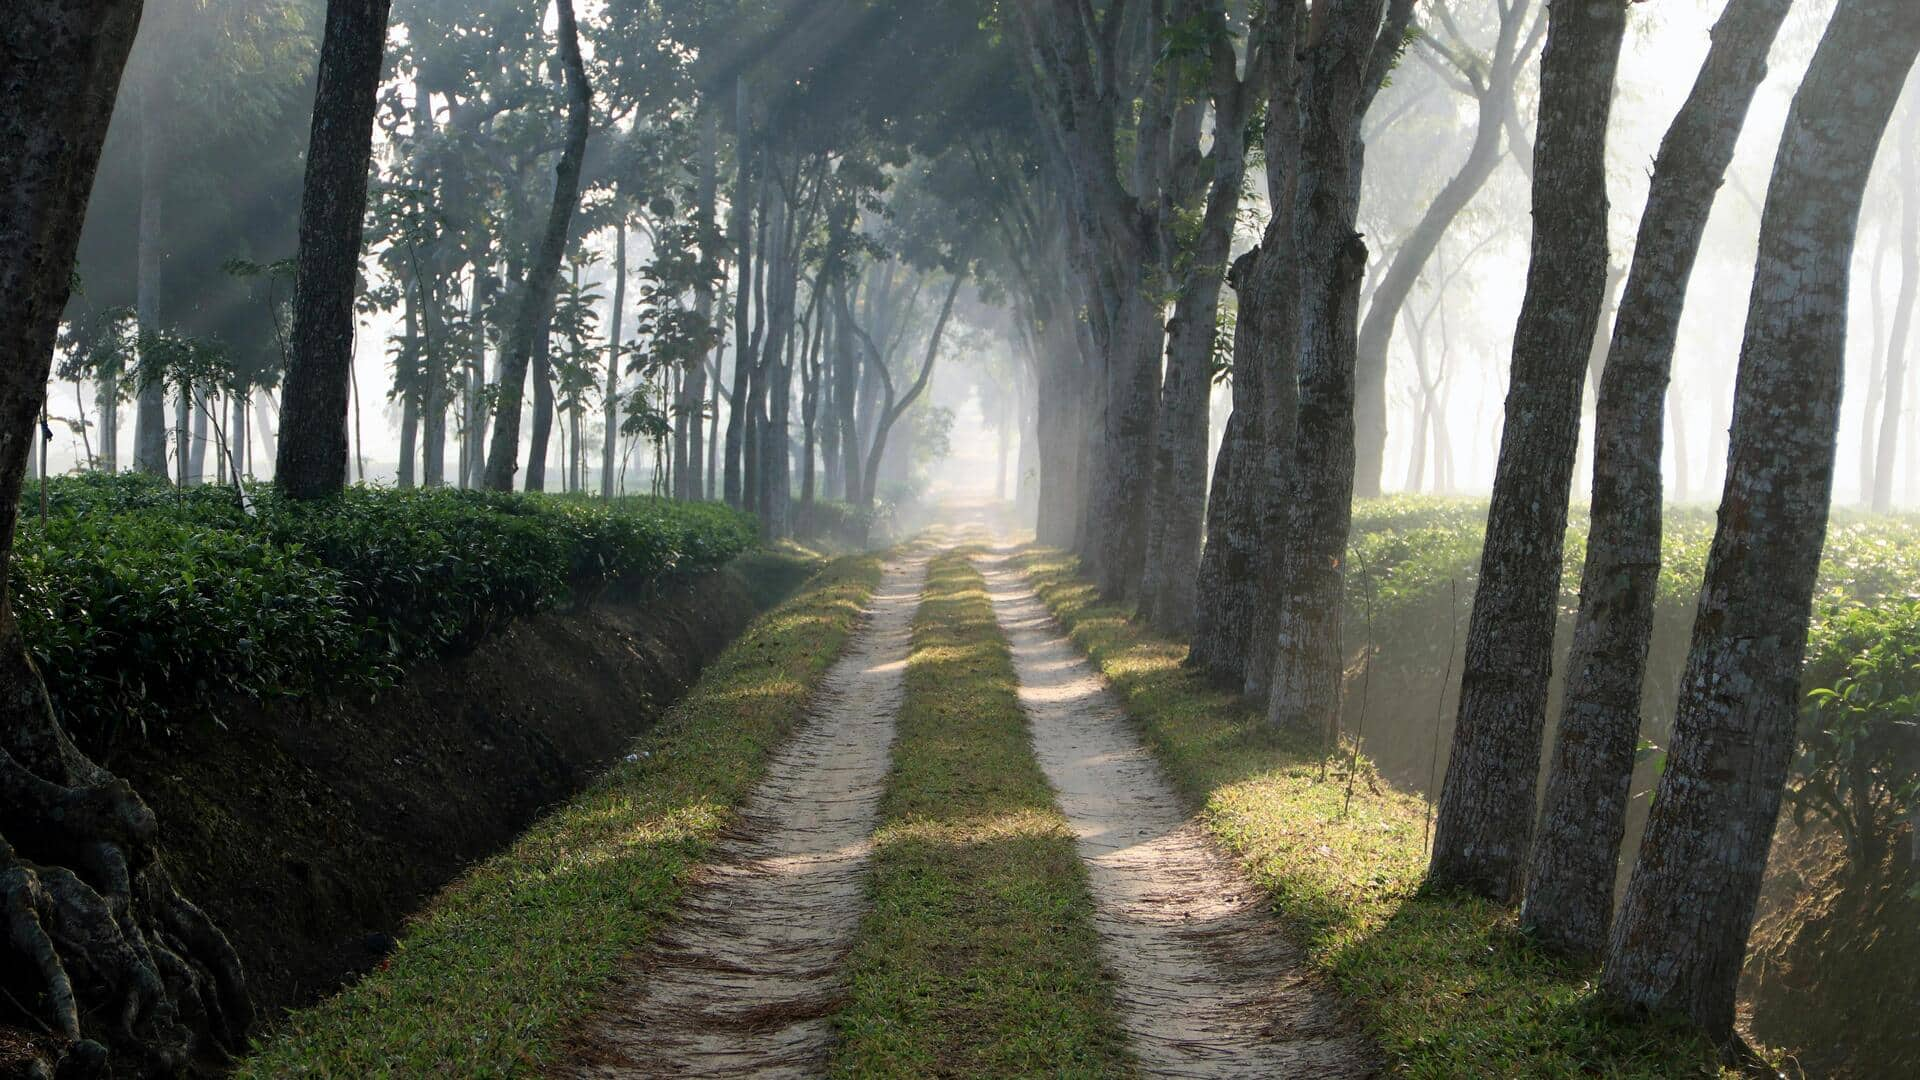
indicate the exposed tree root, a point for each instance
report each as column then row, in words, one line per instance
column 101, row 956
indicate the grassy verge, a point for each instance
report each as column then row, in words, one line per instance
column 978, row 955
column 491, row 975
column 1448, row 985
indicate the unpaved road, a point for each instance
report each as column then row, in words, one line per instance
column 1208, row 984
column 745, row 984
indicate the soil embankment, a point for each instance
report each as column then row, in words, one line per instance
column 309, row 830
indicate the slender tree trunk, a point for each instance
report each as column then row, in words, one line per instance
column 610, row 444
column 1485, row 816
column 536, row 298
column 476, row 403
column 1569, row 897
column 150, row 402
column 1885, row 464
column 312, row 460
column 541, row 431
column 1876, row 374
column 1682, row 931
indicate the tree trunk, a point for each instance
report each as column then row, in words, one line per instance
column 312, row 461
column 114, row 961
column 1485, row 815
column 1885, row 466
column 541, row 431
column 1682, row 931
column 1569, row 897
column 536, row 296
column 895, row 408
column 1331, row 256
column 150, row 403
column 610, row 444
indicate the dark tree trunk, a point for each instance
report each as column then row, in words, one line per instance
column 114, row 962
column 536, row 296
column 474, row 452
column 1331, row 256
column 150, row 403
column 1885, row 467
column 1169, row 586
column 312, row 461
column 1487, row 804
column 540, row 432
column 1682, row 931
column 896, row 406
column 1569, row 897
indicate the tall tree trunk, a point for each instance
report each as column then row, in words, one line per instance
column 541, row 430
column 1682, row 931
column 476, row 397
column 312, row 460
column 897, row 406
column 150, row 402
column 119, row 969
column 1486, row 809
column 610, row 444
column 1885, row 466
column 1239, row 592
column 1331, row 256
column 536, row 296
column 1569, row 897
column 740, row 224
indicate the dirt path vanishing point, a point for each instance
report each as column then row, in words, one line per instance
column 746, row 983
column 1208, row 984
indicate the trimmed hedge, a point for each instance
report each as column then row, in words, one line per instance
column 139, row 601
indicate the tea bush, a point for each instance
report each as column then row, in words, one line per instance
column 138, row 600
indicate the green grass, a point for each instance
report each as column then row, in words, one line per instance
column 494, row 973
column 978, row 955
column 1448, row 985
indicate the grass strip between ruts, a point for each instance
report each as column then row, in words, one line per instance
column 489, row 978
column 1448, row 985
column 977, row 956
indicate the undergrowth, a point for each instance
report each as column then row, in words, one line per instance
column 490, row 977
column 142, row 603
column 1448, row 985
column 977, row 956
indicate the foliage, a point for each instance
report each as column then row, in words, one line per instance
column 140, row 602
column 1858, row 766
column 489, row 980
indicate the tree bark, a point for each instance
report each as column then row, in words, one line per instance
column 541, row 430
column 1169, row 588
column 1683, row 925
column 1485, row 815
column 610, row 444
column 1331, row 257
column 150, row 401
column 124, row 972
column 536, row 295
column 312, row 461
column 1569, row 896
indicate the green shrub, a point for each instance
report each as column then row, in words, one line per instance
column 139, row 600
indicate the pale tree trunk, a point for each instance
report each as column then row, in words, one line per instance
column 1569, row 895
column 1682, row 931
column 1876, row 374
column 698, row 448
column 312, row 461
column 610, row 444
column 1885, row 466
column 1304, row 693
column 1492, row 88
column 1485, row 815
column 536, row 296
column 122, row 973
